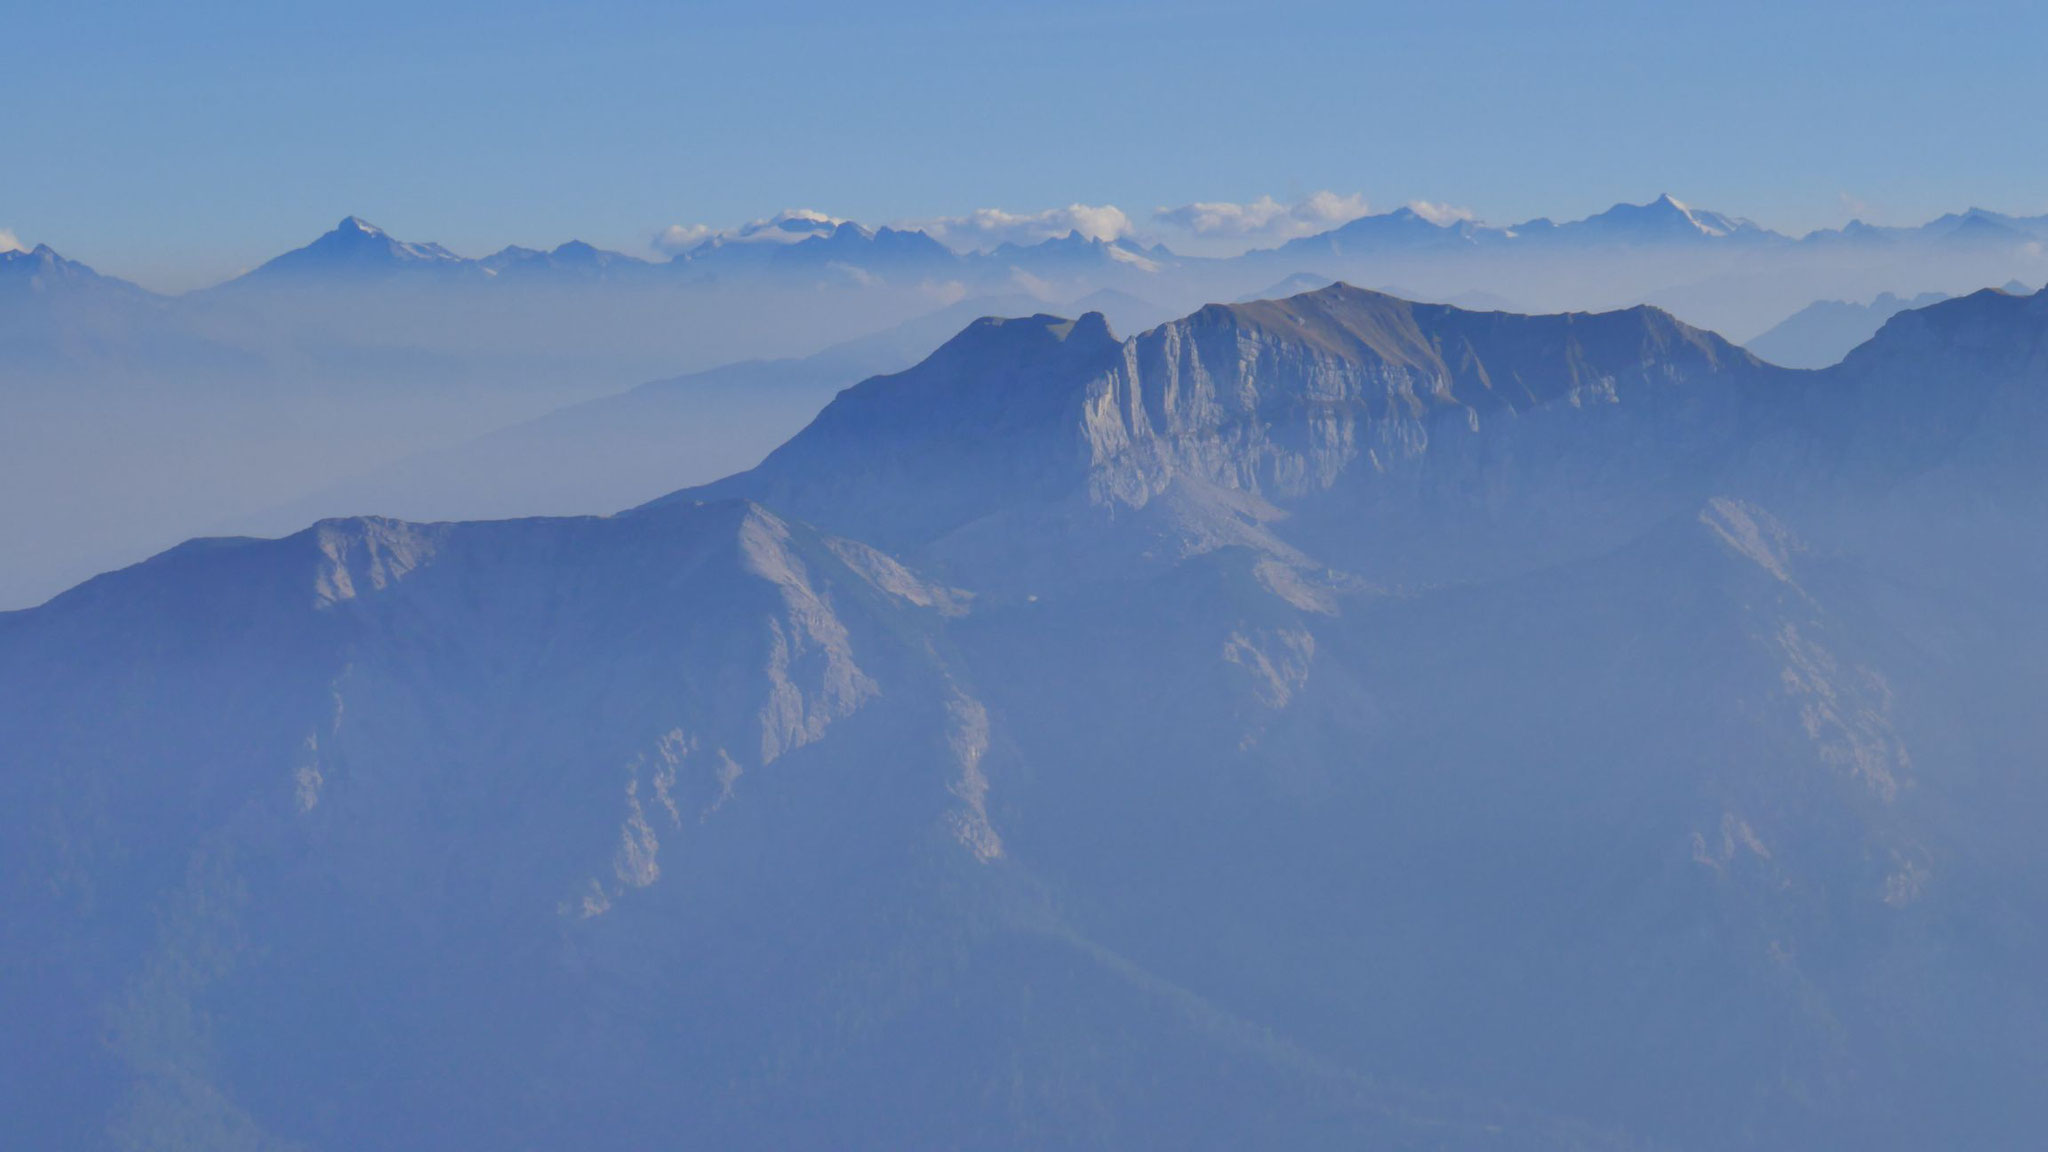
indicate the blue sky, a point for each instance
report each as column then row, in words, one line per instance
column 179, row 143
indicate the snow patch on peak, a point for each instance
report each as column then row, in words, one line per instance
column 1666, row 218
column 1709, row 223
column 1441, row 215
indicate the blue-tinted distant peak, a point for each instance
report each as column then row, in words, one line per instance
column 1664, row 219
column 1077, row 252
column 1405, row 229
column 44, row 272
column 790, row 226
column 41, row 258
column 356, row 250
column 575, row 260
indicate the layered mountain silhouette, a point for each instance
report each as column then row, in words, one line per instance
column 1331, row 721
column 791, row 248
column 41, row 272
column 1663, row 220
column 1218, row 421
column 1823, row 332
column 621, row 450
column 804, row 244
column 356, row 250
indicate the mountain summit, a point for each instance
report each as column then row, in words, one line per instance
column 1280, row 403
column 358, row 250
column 42, row 272
column 1664, row 219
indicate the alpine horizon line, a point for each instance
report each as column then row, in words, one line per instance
column 1662, row 221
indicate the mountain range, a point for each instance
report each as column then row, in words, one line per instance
column 810, row 242
column 1712, row 266
column 136, row 419
column 1327, row 721
column 1824, row 331
column 794, row 244
column 1718, row 271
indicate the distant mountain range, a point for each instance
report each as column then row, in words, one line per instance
column 357, row 252
column 1717, row 270
column 1823, row 332
column 1320, row 722
column 1662, row 221
column 1976, row 227
column 809, row 242
column 147, row 418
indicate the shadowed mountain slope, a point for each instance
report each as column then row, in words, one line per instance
column 1325, row 722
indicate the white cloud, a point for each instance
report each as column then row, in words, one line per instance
column 786, row 227
column 1440, row 214
column 1264, row 219
column 682, row 237
column 986, row 228
column 9, row 242
column 1220, row 226
column 860, row 276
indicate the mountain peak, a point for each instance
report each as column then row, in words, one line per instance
column 987, row 416
column 42, row 256
column 871, row 250
column 1015, row 416
column 355, row 250
column 1665, row 219
column 43, row 269
column 1402, row 230
column 1967, row 318
column 1030, row 337
column 573, row 260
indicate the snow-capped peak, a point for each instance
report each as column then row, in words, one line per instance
column 1709, row 223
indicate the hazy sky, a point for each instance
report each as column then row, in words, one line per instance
column 179, row 143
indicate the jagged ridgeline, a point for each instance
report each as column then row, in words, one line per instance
column 364, row 372
column 1329, row 722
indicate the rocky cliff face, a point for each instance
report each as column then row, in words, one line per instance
column 490, row 732
column 1337, row 405
column 1284, row 398
column 1326, row 722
